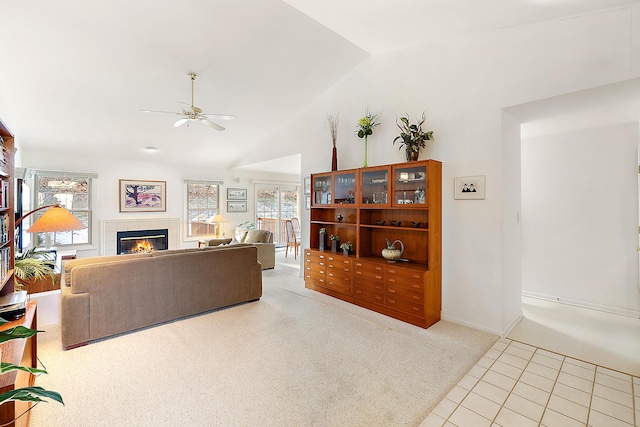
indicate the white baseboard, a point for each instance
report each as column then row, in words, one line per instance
column 583, row 304
column 470, row 325
column 512, row 325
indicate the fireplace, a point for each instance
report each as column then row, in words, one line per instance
column 142, row 241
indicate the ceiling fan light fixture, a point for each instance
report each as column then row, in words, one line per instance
column 196, row 113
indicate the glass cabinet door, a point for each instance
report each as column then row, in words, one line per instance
column 410, row 184
column 344, row 190
column 375, row 186
column 322, row 189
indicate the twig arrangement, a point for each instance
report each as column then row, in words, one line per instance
column 333, row 120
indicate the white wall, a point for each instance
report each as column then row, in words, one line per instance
column 464, row 86
column 110, row 170
column 580, row 217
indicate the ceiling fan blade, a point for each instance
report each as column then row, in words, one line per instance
column 222, row 116
column 212, row 124
column 180, row 122
column 164, row 112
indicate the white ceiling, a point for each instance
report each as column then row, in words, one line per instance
column 77, row 75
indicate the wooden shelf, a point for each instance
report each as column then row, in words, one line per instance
column 405, row 193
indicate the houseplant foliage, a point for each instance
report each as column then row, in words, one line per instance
column 23, row 394
column 346, row 247
column 412, row 138
column 365, row 129
column 33, row 265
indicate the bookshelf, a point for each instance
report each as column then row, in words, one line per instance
column 7, row 216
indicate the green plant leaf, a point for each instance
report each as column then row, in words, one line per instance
column 30, row 394
column 6, row 367
column 16, row 333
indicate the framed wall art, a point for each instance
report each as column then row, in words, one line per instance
column 307, row 185
column 236, row 194
column 143, row 196
column 469, row 187
column 237, row 206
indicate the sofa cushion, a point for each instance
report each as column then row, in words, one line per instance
column 258, row 236
column 96, row 260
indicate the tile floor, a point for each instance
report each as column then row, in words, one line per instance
column 516, row 384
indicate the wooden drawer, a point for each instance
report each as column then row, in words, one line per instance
column 316, row 278
column 338, row 272
column 368, row 270
column 404, row 306
column 406, row 278
column 397, row 292
column 341, row 284
column 368, row 291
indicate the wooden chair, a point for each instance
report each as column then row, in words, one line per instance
column 296, row 227
column 291, row 240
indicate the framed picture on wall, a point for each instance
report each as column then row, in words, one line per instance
column 307, row 185
column 143, row 196
column 307, row 202
column 236, row 194
column 469, row 187
column 237, row 206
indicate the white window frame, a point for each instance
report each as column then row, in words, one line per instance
column 31, row 181
column 187, row 210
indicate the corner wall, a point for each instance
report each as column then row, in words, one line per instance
column 464, row 87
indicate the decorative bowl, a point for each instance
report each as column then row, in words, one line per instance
column 381, row 222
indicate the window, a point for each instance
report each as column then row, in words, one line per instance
column 202, row 204
column 71, row 191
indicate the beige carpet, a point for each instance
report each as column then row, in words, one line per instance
column 294, row 358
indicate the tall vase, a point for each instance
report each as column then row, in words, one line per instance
column 366, row 164
column 334, row 159
column 412, row 156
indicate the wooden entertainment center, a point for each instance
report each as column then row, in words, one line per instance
column 366, row 207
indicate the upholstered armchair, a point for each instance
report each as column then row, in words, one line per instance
column 262, row 239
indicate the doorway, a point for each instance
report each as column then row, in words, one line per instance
column 275, row 204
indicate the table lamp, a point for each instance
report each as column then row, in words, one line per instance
column 218, row 220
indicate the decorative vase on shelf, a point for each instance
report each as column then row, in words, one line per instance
column 335, row 244
column 412, row 156
column 334, row 159
column 322, row 241
column 366, row 164
column 391, row 253
column 345, row 252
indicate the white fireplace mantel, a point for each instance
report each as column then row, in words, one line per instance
column 110, row 228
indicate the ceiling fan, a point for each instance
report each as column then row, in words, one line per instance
column 195, row 113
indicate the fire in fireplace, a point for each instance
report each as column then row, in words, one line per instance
column 142, row 241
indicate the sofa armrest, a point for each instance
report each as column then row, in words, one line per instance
column 74, row 314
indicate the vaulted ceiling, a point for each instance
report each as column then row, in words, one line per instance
column 76, row 75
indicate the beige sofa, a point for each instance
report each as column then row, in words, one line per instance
column 104, row 296
column 261, row 239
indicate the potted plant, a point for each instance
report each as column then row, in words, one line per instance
column 412, row 138
column 323, row 239
column 346, row 247
column 335, row 242
column 33, row 265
